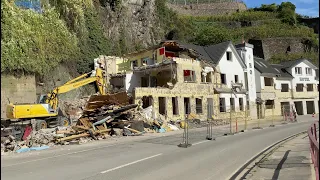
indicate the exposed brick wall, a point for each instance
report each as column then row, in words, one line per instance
column 208, row 8
column 20, row 90
column 268, row 47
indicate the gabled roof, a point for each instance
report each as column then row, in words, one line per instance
column 282, row 70
column 264, row 67
column 217, row 51
column 289, row 64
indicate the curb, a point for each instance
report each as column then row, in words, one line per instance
column 265, row 152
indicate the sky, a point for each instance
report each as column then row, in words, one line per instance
column 303, row 7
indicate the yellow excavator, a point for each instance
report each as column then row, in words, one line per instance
column 47, row 111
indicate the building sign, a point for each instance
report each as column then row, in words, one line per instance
column 304, row 79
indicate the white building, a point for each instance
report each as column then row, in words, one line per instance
column 232, row 73
column 304, row 91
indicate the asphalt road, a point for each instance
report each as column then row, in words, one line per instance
column 148, row 158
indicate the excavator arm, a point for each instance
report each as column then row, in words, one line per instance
column 76, row 83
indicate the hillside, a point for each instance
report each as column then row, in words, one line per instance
column 76, row 31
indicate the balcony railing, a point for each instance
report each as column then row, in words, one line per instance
column 266, row 95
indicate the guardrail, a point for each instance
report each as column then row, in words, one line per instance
column 314, row 147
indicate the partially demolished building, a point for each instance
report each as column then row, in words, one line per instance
column 177, row 79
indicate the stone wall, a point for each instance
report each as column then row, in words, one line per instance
column 208, row 8
column 268, row 47
column 18, row 90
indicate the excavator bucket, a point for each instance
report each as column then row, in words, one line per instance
column 97, row 101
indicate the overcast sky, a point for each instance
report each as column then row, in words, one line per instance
column 304, row 7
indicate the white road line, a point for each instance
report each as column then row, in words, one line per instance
column 200, row 142
column 59, row 155
column 128, row 164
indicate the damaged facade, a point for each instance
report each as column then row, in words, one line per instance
column 177, row 79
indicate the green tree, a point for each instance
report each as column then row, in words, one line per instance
column 211, row 35
column 287, row 13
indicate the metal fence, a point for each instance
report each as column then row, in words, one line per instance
column 314, row 147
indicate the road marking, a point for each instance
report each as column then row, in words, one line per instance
column 128, row 164
column 59, row 155
column 200, row 142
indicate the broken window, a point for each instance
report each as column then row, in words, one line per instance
column 241, row 104
column 144, row 61
column 236, row 79
column 229, row 56
column 144, row 81
column 269, row 104
column 222, row 104
column 147, row 101
column 134, row 64
column 175, row 107
column 309, row 87
column 284, row 87
column 206, row 78
column 189, row 76
column 232, row 105
column 299, row 88
column 162, row 105
column 309, row 71
column 298, row 70
column 268, row 81
column 117, row 82
column 223, row 79
column 198, row 106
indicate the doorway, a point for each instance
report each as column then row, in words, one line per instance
column 299, row 107
column 187, row 108
column 310, row 107
column 209, row 108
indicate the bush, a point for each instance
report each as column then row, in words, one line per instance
column 32, row 42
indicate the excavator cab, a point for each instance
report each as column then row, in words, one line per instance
column 43, row 98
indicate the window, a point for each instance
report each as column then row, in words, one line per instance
column 162, row 105
column 250, row 66
column 144, row 61
column 309, row 71
column 269, row 104
column 229, row 56
column 198, row 106
column 206, row 78
column 309, row 87
column 241, row 104
column 299, row 88
column 284, row 87
column 268, row 81
column 222, row 105
column 232, row 105
column 175, row 107
column 189, row 76
column 298, row 70
column 134, row 64
column 236, row 79
column 223, row 79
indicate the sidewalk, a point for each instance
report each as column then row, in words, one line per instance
column 290, row 161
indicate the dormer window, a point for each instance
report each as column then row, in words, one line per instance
column 229, row 56
column 298, row 70
column 308, row 71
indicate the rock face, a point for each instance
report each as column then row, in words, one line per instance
column 133, row 22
